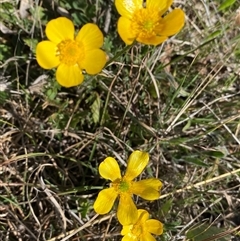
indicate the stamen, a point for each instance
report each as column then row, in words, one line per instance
column 122, row 185
column 70, row 52
column 137, row 229
column 146, row 23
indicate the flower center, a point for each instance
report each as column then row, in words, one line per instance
column 146, row 23
column 70, row 52
column 137, row 229
column 122, row 186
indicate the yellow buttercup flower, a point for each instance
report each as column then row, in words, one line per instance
column 124, row 187
column 146, row 24
column 71, row 54
column 142, row 229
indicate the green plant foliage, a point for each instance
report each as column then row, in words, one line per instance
column 95, row 108
column 226, row 4
column 3, row 97
column 204, row 232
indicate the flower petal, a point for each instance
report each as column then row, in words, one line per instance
column 147, row 237
column 91, row 36
column 105, row 200
column 126, row 229
column 69, row 76
column 137, row 161
column 46, row 55
column 60, row 29
column 130, row 237
column 147, row 189
column 127, row 7
column 143, row 216
column 153, row 41
column 124, row 30
column 109, row 169
column 172, row 23
column 154, row 226
column 127, row 211
column 94, row 61
column 159, row 5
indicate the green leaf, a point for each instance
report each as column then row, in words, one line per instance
column 204, row 232
column 166, row 207
column 152, row 91
column 217, row 154
column 226, row 4
column 195, row 161
column 31, row 43
column 38, row 12
column 187, row 126
column 95, row 108
column 213, row 35
column 51, row 93
column 177, row 141
column 3, row 97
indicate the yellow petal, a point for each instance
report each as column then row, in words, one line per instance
column 69, row 76
column 147, row 237
column 130, row 237
column 94, row 61
column 124, row 30
column 137, row 161
column 143, row 215
column 159, row 5
column 91, row 36
column 152, row 41
column 127, row 7
column 126, row 229
column 147, row 189
column 105, row 200
column 154, row 226
column 172, row 23
column 60, row 29
column 127, row 211
column 109, row 169
column 46, row 55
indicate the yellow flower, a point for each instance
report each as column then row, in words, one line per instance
column 124, row 187
column 141, row 230
column 146, row 24
column 71, row 54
